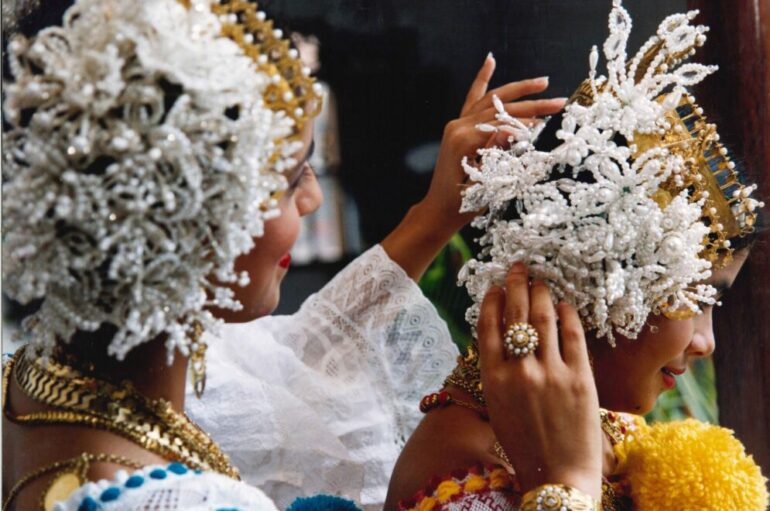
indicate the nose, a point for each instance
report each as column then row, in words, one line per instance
column 703, row 342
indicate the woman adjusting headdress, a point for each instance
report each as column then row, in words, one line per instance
column 627, row 230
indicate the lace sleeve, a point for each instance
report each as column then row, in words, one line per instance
column 166, row 488
column 373, row 318
column 323, row 400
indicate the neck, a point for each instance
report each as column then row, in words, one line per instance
column 153, row 377
column 145, row 366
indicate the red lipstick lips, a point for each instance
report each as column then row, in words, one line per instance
column 668, row 376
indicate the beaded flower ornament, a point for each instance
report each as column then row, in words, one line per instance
column 146, row 149
column 634, row 206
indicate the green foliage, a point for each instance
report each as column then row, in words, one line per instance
column 694, row 396
column 439, row 284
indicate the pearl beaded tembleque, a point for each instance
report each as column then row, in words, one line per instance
column 141, row 161
column 608, row 219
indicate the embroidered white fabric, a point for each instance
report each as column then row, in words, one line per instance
column 487, row 501
column 322, row 401
column 191, row 491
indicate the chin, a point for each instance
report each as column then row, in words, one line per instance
column 640, row 404
column 636, row 401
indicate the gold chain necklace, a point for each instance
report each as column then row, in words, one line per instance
column 71, row 475
column 119, row 409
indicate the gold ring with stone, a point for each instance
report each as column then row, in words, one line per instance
column 521, row 339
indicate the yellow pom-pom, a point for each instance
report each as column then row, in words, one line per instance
column 474, row 484
column 690, row 466
column 426, row 504
column 498, row 479
column 446, row 490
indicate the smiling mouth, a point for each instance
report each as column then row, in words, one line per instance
column 668, row 378
column 673, row 371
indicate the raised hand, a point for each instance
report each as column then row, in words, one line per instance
column 462, row 138
column 430, row 224
column 543, row 406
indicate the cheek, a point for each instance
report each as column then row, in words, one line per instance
column 262, row 263
column 281, row 232
column 668, row 338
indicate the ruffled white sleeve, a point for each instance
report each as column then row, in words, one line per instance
column 322, row 401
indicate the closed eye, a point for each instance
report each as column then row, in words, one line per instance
column 305, row 172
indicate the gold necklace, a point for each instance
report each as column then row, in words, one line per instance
column 119, row 409
column 71, row 475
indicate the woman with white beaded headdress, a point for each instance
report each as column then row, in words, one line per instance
column 628, row 230
column 155, row 170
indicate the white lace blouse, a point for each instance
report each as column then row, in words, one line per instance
column 323, row 400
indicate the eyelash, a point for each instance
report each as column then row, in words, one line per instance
column 304, row 174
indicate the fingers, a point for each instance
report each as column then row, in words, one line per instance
column 542, row 316
column 498, row 139
column 515, row 90
column 517, row 295
column 489, row 326
column 480, row 83
column 511, row 92
column 530, row 108
column 573, row 341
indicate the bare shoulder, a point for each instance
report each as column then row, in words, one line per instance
column 446, row 440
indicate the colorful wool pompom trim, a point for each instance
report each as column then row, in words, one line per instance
column 458, row 484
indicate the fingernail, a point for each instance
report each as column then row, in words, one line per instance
column 490, row 56
column 542, row 79
column 518, row 268
column 563, row 100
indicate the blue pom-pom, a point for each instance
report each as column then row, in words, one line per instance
column 177, row 468
column 322, row 503
column 134, row 481
column 88, row 504
column 110, row 494
column 158, row 473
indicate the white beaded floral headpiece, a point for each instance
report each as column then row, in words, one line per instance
column 633, row 207
column 146, row 148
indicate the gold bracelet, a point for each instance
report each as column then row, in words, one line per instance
column 558, row 497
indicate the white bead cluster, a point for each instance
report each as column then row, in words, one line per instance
column 601, row 241
column 135, row 172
